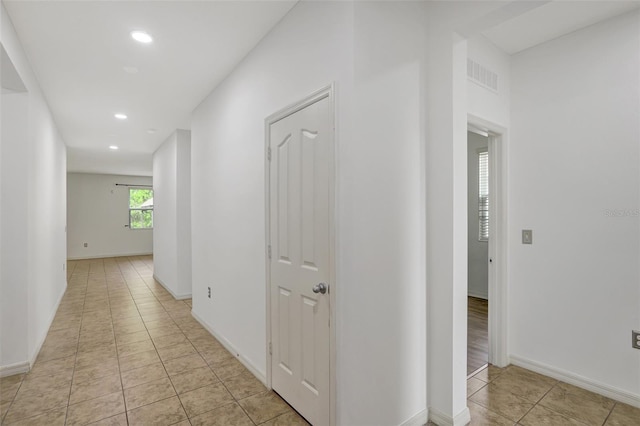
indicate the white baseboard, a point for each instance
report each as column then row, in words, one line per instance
column 17, row 368
column 107, row 256
column 25, row 366
column 166, row 287
column 478, row 296
column 228, row 346
column 441, row 419
column 36, row 352
column 419, row 419
column 577, row 380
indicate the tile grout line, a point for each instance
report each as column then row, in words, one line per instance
column 615, row 403
column 75, row 359
column 221, row 381
column 145, row 326
column 123, row 280
column 566, row 416
column 24, row 375
column 537, row 402
column 235, row 400
column 156, row 349
column 66, row 413
column 191, row 343
column 115, row 340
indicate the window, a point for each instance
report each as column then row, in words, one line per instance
column 483, row 195
column 140, row 208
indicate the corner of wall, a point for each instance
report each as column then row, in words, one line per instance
column 40, row 340
column 177, row 296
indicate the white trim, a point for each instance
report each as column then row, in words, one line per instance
column 478, row 296
column 473, row 129
column 474, row 372
column 578, row 380
column 441, row 419
column 25, row 366
column 330, row 93
column 166, row 287
column 36, row 352
column 498, row 239
column 419, row 419
column 103, row 256
column 17, row 368
column 228, row 346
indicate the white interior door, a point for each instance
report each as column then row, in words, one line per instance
column 299, row 192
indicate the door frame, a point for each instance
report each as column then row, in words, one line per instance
column 325, row 92
column 498, row 238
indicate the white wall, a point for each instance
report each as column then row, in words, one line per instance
column 482, row 102
column 183, row 213
column 172, row 214
column 478, row 251
column 165, row 237
column 309, row 49
column 40, row 241
column 574, row 159
column 381, row 217
column 13, row 278
column 380, row 287
column 97, row 212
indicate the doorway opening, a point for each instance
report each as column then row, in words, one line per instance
column 478, row 216
column 487, row 308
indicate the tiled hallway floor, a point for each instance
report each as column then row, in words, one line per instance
column 122, row 350
column 513, row 395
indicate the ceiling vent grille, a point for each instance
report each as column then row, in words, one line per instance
column 482, row 76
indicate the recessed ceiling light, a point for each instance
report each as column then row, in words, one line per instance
column 113, row 147
column 130, row 70
column 120, row 116
column 141, row 36
column 151, row 131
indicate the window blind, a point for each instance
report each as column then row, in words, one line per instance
column 483, row 195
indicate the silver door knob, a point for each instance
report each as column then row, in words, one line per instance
column 320, row 288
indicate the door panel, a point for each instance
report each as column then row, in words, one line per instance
column 300, row 240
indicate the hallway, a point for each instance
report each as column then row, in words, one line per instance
column 121, row 350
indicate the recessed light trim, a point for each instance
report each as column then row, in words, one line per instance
column 114, row 147
column 151, row 131
column 120, row 116
column 141, row 37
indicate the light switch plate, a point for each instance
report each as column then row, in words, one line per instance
column 635, row 339
column 527, row 236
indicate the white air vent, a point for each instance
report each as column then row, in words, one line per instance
column 482, row 76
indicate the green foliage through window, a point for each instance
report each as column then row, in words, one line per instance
column 140, row 208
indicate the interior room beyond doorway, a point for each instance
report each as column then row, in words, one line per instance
column 478, row 251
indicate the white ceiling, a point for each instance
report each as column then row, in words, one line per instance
column 79, row 51
column 83, row 56
column 551, row 20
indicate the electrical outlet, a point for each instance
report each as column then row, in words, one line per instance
column 86, row 244
column 635, row 335
column 527, row 236
column 209, row 292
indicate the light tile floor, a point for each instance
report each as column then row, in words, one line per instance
column 122, row 351
column 513, row 395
